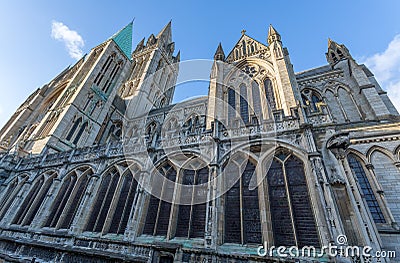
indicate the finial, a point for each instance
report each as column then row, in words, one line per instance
column 243, row 32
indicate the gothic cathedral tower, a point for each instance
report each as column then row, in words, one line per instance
column 68, row 112
column 268, row 89
column 152, row 78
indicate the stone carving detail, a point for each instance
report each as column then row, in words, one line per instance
column 338, row 144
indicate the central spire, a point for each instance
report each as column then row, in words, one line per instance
column 123, row 38
column 166, row 33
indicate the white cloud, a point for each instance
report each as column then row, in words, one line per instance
column 386, row 68
column 72, row 40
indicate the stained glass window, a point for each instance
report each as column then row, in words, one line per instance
column 256, row 100
column 293, row 222
column 191, row 218
column 366, row 188
column 242, row 214
column 103, row 201
column 61, row 200
column 244, row 107
column 32, row 201
column 232, row 104
column 158, row 212
column 124, row 205
column 269, row 93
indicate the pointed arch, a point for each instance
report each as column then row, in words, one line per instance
column 243, row 103
column 334, row 106
column 69, row 197
column 124, row 205
column 358, row 154
column 396, row 153
column 34, row 199
column 269, row 93
column 13, row 188
column 242, row 212
column 103, row 200
column 359, row 171
column 256, row 102
column 292, row 216
column 158, row 211
column 191, row 217
column 75, row 126
column 312, row 99
column 231, row 104
column 377, row 148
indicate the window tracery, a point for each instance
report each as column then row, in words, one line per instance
column 369, row 195
column 242, row 214
column 292, row 217
column 158, row 211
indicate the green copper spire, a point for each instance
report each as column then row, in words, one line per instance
column 123, row 38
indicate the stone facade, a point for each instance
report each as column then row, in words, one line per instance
column 80, row 159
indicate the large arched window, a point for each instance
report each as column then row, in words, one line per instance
column 10, row 194
column 111, row 78
column 192, row 217
column 293, row 222
column 269, row 93
column 242, row 214
column 10, row 190
column 158, row 212
column 312, row 100
column 103, row 201
column 73, row 129
column 104, row 70
column 231, row 103
column 30, row 206
column 255, row 90
column 124, row 205
column 70, row 195
column 359, row 172
column 61, row 200
column 244, row 105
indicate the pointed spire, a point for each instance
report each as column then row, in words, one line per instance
column 178, row 57
column 123, row 38
column 273, row 35
column 332, row 44
column 166, row 33
column 140, row 45
column 219, row 53
column 336, row 52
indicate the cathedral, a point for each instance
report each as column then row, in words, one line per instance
column 99, row 164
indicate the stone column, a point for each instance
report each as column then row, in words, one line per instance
column 211, row 234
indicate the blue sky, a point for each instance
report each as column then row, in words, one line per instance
column 31, row 56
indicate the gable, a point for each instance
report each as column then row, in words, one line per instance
column 246, row 47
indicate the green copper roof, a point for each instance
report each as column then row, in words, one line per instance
column 123, row 38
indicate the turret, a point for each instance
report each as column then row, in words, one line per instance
column 219, row 53
column 336, row 52
column 273, row 35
